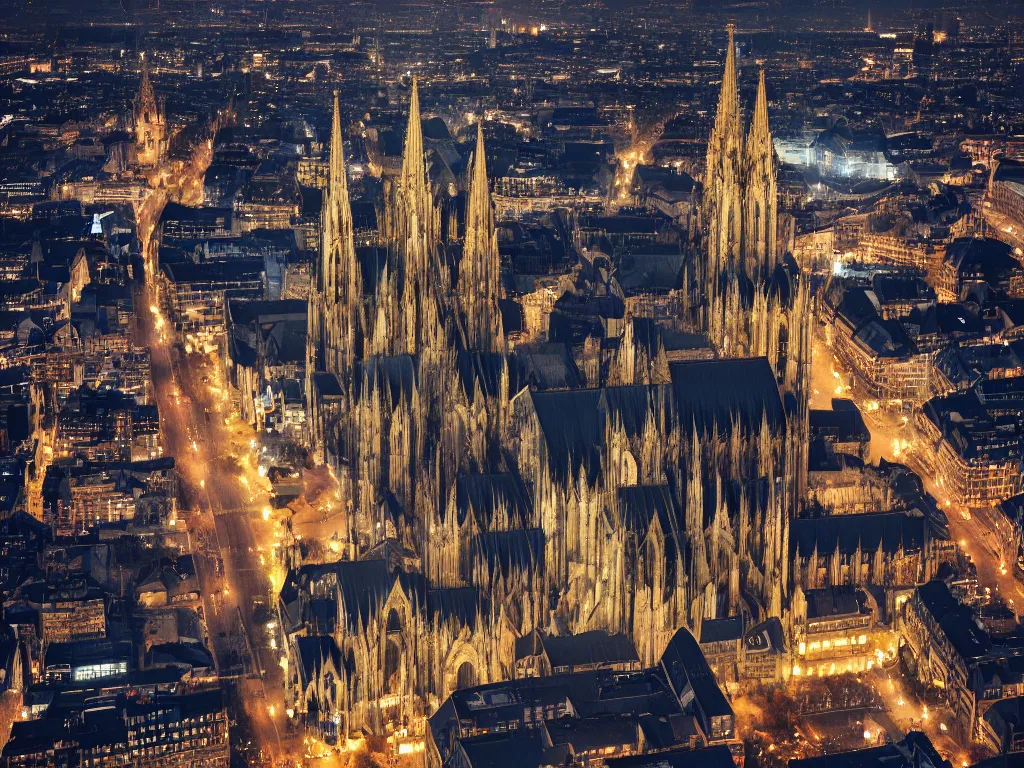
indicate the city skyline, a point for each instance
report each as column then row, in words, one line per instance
column 511, row 384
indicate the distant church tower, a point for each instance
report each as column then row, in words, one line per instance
column 150, row 122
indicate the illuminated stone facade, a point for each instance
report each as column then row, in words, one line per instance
column 479, row 509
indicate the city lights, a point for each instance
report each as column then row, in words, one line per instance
column 505, row 366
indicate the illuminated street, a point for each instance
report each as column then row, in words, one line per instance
column 894, row 439
column 214, row 458
column 511, row 384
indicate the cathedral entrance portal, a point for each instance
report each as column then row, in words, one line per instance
column 392, row 666
column 462, row 669
column 466, row 677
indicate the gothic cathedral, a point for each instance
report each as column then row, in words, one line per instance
column 481, row 507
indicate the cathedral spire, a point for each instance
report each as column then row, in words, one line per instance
column 760, row 206
column 338, row 181
column 726, row 135
column 415, row 222
column 729, row 101
column 342, row 238
column 333, row 309
column 722, row 197
column 480, row 268
column 412, row 157
column 417, row 215
column 145, row 86
column 759, row 124
column 480, row 196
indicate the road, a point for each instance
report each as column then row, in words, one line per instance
column 232, row 540
column 895, row 439
column 213, row 460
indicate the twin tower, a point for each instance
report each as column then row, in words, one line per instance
column 739, row 210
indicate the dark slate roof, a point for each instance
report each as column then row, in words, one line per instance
column 915, row 751
column 106, row 727
column 365, row 586
column 214, row 271
column 890, row 528
column 483, row 494
column 372, row 261
column 623, row 224
column 512, row 319
column 589, row 648
column 981, row 256
column 684, row 665
column 667, row 731
column 945, row 319
column 780, row 286
column 719, row 630
column 593, row 733
column 480, row 369
column 1009, row 170
column 632, row 694
column 717, row 756
column 296, row 581
column 570, row 422
column 519, row 748
column 833, row 601
column 840, row 139
column 766, row 636
column 521, row 550
column 545, row 367
column 709, row 392
column 186, row 705
column 459, row 603
column 963, row 632
column 264, row 311
column 893, row 288
column 312, row 653
column 852, row 302
column 322, row 616
column 397, row 373
column 364, row 215
column 327, row 384
column 79, row 652
column 187, row 654
column 874, row 757
column 1011, row 760
column 1006, row 717
column 435, row 129
column 937, row 599
column 844, row 422
column 530, row 644
column 177, row 212
column 240, row 353
column 629, row 405
column 654, row 268
column 640, row 504
column 885, row 338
